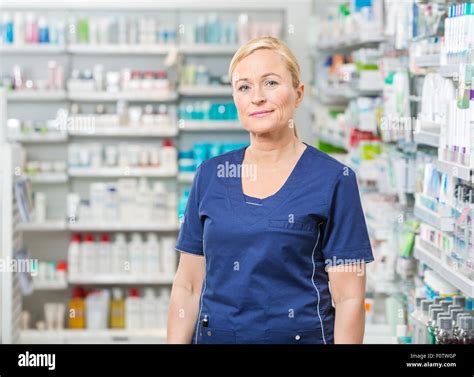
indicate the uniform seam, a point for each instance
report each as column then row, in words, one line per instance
column 202, row 297
column 314, row 284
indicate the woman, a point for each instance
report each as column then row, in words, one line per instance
column 273, row 234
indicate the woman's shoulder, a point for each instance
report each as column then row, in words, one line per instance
column 321, row 161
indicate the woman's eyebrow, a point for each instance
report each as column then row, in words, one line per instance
column 263, row 76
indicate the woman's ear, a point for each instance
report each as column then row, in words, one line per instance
column 299, row 94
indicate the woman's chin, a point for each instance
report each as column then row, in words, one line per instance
column 262, row 128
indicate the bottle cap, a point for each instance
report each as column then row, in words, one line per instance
column 104, row 237
column 133, row 292
column 168, row 143
column 78, row 292
column 76, row 237
column 89, row 238
column 117, row 294
column 61, row 265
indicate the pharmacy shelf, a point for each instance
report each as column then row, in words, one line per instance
column 349, row 43
column 452, row 276
column 48, row 226
column 41, row 138
column 49, row 178
column 37, row 95
column 186, row 177
column 131, row 227
column 92, row 336
column 120, row 280
column 333, row 140
column 341, row 92
column 121, row 172
column 49, row 286
column 208, row 49
column 445, row 224
column 427, row 138
column 378, row 334
column 32, row 49
column 140, row 96
column 428, row 126
column 128, row 131
column 205, row 90
column 449, row 70
column 427, row 61
column 120, row 49
column 455, row 170
column 209, row 125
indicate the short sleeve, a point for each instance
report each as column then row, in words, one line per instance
column 190, row 238
column 345, row 238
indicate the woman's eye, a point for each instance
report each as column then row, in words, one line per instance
column 243, row 87
column 272, row 83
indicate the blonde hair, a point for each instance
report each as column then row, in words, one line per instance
column 273, row 44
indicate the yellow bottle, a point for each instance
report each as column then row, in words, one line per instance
column 117, row 310
column 77, row 310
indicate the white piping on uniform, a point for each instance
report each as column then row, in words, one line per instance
column 254, row 204
column 312, row 281
column 202, row 295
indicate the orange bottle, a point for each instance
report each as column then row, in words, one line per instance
column 77, row 310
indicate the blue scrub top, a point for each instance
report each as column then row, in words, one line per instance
column 265, row 258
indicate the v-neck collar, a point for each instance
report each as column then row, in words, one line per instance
column 252, row 214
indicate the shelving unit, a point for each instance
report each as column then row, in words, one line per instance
column 427, row 138
column 139, row 57
column 152, row 336
column 451, row 275
column 209, row 90
column 121, row 172
column 37, row 95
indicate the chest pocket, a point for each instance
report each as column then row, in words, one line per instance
column 294, row 223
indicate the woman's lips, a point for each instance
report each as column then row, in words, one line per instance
column 261, row 114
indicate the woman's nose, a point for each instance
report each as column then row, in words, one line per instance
column 258, row 98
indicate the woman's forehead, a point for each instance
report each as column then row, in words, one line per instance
column 259, row 64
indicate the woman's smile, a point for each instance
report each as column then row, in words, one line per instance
column 261, row 113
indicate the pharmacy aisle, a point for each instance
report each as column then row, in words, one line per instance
column 107, row 110
column 393, row 98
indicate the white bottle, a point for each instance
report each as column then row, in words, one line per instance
column 133, row 310
column 163, row 305
column 169, row 156
column 168, row 256
column 136, row 255
column 73, row 257
column 104, row 263
column 150, row 308
column 120, row 264
column 88, row 256
column 159, row 204
column 143, row 200
column 152, row 256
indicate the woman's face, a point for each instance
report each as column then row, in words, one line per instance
column 263, row 92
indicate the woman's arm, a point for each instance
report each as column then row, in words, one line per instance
column 185, row 296
column 348, row 293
